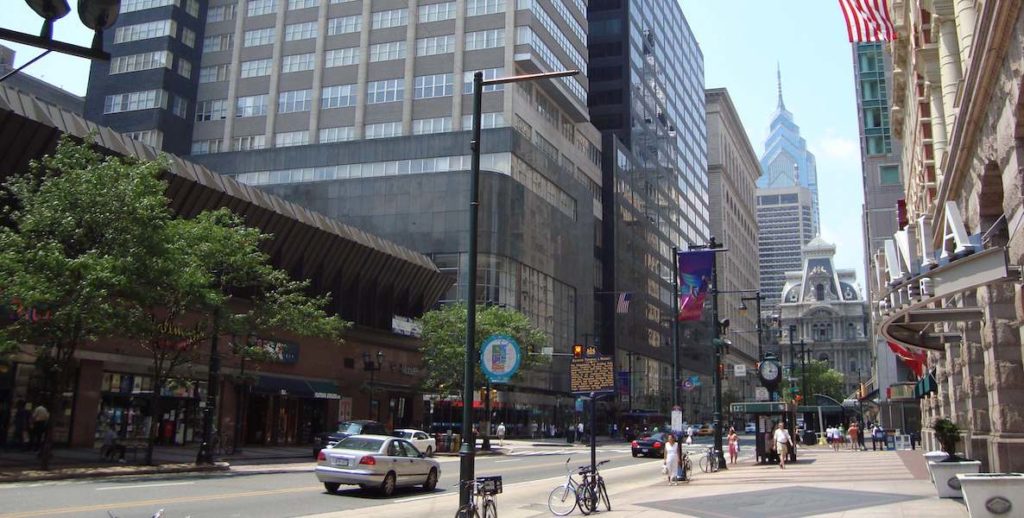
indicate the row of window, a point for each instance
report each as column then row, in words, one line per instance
column 145, row 100
column 498, row 162
column 380, row 19
column 191, row 6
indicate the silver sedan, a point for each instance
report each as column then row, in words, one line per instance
column 376, row 461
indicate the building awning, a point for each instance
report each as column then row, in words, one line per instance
column 296, row 387
column 325, row 389
column 925, row 386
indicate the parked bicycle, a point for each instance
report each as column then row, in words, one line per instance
column 709, row 461
column 598, row 493
column 563, row 499
column 482, row 498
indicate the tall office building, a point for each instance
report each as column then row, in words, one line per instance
column 647, row 98
column 883, row 192
column 359, row 110
column 787, row 202
column 733, row 170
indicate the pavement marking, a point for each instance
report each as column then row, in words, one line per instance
column 156, row 502
column 159, row 484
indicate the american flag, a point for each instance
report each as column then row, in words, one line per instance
column 622, row 306
column 868, row 20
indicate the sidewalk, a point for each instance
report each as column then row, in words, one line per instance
column 824, row 483
column 67, row 463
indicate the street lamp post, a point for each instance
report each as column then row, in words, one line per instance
column 467, row 451
column 757, row 298
column 675, row 327
column 716, row 340
column 97, row 15
column 371, row 367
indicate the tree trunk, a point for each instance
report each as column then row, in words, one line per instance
column 154, row 422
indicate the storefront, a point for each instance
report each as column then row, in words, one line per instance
column 126, row 405
column 289, row 411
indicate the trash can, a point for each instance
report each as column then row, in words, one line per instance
column 810, row 438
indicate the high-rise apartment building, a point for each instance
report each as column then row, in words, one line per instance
column 787, row 202
column 647, row 98
column 358, row 109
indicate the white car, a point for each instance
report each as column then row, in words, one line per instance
column 750, row 428
column 422, row 440
column 376, row 461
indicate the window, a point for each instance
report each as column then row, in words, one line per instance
column 487, row 120
column 392, row 18
column 387, row 51
column 384, row 130
column 202, row 147
column 251, row 106
column 133, row 101
column 481, row 7
column 485, row 39
column 386, row 91
column 215, row 109
column 256, row 67
column 436, row 12
column 184, row 68
column 258, row 37
column 302, row 4
column 128, row 6
column 300, row 31
column 259, row 7
column 436, row 125
column 188, row 37
column 490, row 73
column 149, row 137
column 192, row 8
column 291, row 138
column 136, row 62
column 217, row 43
column 145, row 31
column 248, row 142
column 294, row 101
column 298, row 63
column 338, row 96
column 340, row 134
column 214, row 73
column 344, row 25
column 878, row 144
column 221, row 13
column 179, row 106
column 438, row 85
column 341, row 57
column 435, row 45
column 889, row 175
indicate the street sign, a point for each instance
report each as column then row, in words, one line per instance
column 500, row 358
column 761, row 393
column 592, row 373
column 677, row 418
column 740, row 370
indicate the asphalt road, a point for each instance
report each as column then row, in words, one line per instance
column 279, row 495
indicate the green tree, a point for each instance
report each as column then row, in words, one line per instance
column 821, row 378
column 444, row 343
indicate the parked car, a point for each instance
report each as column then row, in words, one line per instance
column 750, row 428
column 374, row 461
column 650, row 446
column 423, row 441
column 348, row 428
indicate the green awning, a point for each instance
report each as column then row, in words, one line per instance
column 925, row 386
column 325, row 389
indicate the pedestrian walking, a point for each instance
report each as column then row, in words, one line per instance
column 734, row 445
column 501, row 434
column 841, row 435
column 689, row 435
column 854, row 432
column 877, row 437
column 40, row 420
column 782, row 444
column 862, row 431
column 672, row 458
column 579, row 432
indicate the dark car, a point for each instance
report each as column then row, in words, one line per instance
column 347, row 428
column 650, row 446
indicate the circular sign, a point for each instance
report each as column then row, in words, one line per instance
column 500, row 358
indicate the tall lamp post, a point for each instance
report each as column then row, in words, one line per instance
column 371, row 367
column 718, row 344
column 757, row 298
column 97, row 15
column 467, row 451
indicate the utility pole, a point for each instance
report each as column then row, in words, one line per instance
column 675, row 327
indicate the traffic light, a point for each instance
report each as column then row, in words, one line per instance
column 577, row 351
column 862, row 391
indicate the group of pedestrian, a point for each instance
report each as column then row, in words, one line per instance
column 849, row 438
column 30, row 424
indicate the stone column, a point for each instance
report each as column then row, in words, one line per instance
column 977, row 427
column 1000, row 337
column 966, row 17
column 949, row 58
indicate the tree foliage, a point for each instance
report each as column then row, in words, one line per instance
column 821, row 379
column 444, row 342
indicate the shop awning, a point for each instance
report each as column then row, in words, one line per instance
column 925, row 386
column 296, row 387
column 324, row 389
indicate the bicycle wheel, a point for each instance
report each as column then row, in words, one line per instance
column 490, row 509
column 467, row 511
column 687, row 469
column 562, row 500
column 603, row 493
column 587, row 499
column 703, row 463
column 714, row 463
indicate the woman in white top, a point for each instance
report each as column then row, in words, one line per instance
column 782, row 444
column 671, row 458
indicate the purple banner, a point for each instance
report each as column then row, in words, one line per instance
column 694, row 282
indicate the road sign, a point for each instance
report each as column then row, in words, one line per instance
column 740, row 370
column 677, row 418
column 500, row 358
column 592, row 374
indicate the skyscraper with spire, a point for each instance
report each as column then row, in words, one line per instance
column 787, row 201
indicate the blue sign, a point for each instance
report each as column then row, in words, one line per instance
column 500, row 358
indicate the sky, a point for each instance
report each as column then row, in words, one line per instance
column 742, row 40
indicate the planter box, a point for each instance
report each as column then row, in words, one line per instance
column 933, row 456
column 944, row 475
column 993, row 495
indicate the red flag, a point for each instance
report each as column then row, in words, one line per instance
column 868, row 20
column 915, row 360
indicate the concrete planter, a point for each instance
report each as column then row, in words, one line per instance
column 944, row 475
column 933, row 456
column 993, row 495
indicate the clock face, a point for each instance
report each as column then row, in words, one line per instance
column 770, row 370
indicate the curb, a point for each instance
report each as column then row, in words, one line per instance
column 112, row 472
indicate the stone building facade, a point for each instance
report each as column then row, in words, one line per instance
column 958, row 107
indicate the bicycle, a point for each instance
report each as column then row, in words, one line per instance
column 483, row 490
column 563, row 499
column 595, row 483
column 709, row 461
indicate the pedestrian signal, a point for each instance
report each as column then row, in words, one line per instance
column 577, row 351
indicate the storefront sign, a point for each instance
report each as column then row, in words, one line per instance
column 277, row 352
column 406, row 326
column 500, row 357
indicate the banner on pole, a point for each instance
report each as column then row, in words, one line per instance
column 694, row 282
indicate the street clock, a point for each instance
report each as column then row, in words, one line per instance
column 770, row 372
